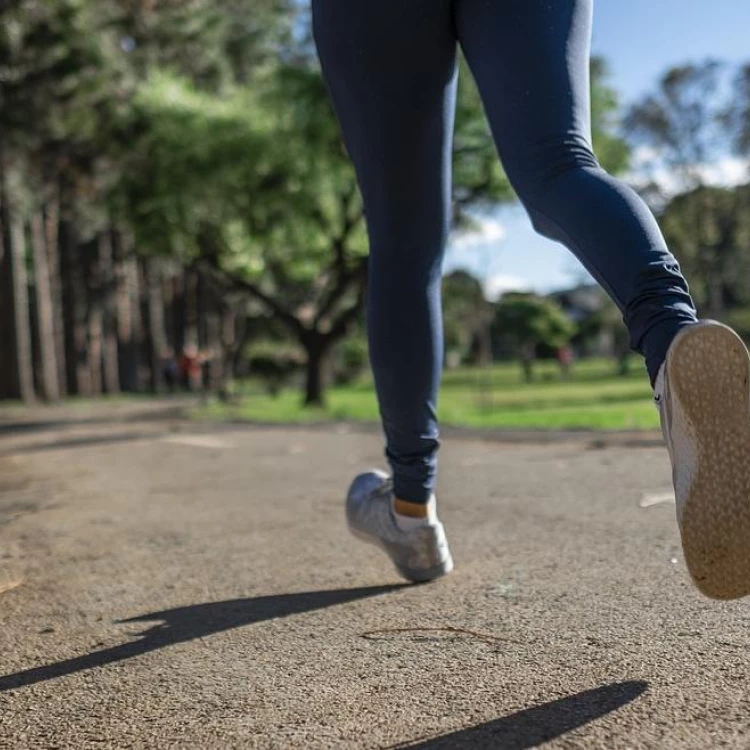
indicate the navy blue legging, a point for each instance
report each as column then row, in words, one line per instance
column 391, row 68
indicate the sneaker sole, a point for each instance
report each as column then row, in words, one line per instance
column 708, row 372
column 410, row 574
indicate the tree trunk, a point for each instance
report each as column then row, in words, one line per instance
column 109, row 314
column 191, row 333
column 156, row 337
column 485, row 345
column 213, row 368
column 51, row 232
column 229, row 342
column 7, row 340
column 527, row 363
column 74, row 310
column 17, row 371
column 94, row 317
column 318, row 349
column 128, row 313
column 45, row 311
column 177, row 329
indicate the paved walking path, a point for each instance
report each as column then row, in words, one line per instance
column 164, row 585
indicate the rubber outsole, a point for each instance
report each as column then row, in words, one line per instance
column 414, row 576
column 708, row 372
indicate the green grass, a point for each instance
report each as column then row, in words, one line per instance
column 593, row 398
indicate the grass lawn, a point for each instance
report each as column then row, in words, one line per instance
column 594, row 397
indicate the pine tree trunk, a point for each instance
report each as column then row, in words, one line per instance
column 8, row 386
column 51, row 232
column 7, row 338
column 127, row 301
column 109, row 310
column 95, row 317
column 178, row 313
column 17, row 377
column 191, row 336
column 156, row 337
column 74, row 310
column 45, row 311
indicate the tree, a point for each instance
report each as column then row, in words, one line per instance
column 526, row 322
column 152, row 152
column 687, row 122
column 715, row 251
column 213, row 45
column 738, row 113
column 684, row 121
column 466, row 316
column 60, row 94
column 258, row 188
column 612, row 150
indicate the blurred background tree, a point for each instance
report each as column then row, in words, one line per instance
column 526, row 322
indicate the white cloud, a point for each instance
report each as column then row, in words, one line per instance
column 497, row 285
column 727, row 172
column 648, row 167
column 487, row 231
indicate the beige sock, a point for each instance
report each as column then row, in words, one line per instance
column 412, row 515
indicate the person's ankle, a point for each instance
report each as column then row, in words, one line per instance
column 410, row 515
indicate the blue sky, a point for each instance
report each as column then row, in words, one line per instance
column 640, row 39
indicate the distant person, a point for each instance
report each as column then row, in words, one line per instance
column 170, row 371
column 391, row 69
column 190, row 369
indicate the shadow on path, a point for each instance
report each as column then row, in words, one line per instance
column 82, row 441
column 196, row 621
column 15, row 427
column 535, row 726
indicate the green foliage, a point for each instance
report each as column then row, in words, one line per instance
column 709, row 232
column 351, row 359
column 684, row 120
column 204, row 131
column 611, row 149
column 479, row 180
column 739, row 319
column 274, row 364
column 465, row 312
column 211, row 44
column 528, row 321
column 64, row 90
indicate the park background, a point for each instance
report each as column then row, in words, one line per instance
column 176, row 574
column 178, row 213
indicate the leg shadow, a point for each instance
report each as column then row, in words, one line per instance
column 196, row 621
column 535, row 726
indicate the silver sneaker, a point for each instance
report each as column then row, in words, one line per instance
column 704, row 401
column 420, row 554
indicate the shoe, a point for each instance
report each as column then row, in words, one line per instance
column 704, row 401
column 420, row 554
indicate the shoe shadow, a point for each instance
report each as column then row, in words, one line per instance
column 535, row 726
column 195, row 621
